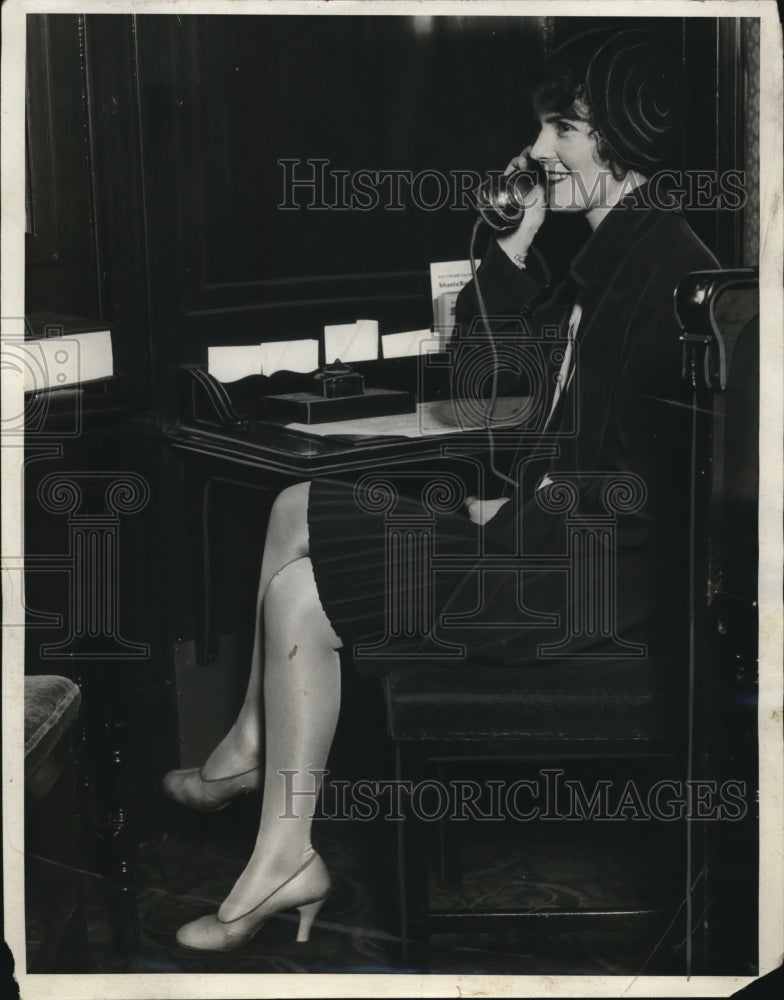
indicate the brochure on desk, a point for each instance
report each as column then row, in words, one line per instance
column 447, row 279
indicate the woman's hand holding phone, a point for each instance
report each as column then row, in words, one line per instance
column 517, row 242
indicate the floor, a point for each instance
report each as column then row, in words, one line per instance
column 186, row 872
column 187, row 862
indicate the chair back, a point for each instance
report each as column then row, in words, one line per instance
column 719, row 313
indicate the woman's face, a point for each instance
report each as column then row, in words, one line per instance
column 577, row 179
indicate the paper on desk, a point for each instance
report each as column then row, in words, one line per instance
column 410, row 344
column 425, row 421
column 228, row 364
column 289, row 355
column 431, row 418
column 351, row 341
column 54, row 362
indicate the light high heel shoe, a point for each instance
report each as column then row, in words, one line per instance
column 305, row 891
column 190, row 788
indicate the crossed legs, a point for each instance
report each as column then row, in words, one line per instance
column 287, row 540
column 287, row 720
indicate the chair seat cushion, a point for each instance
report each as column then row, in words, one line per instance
column 51, row 704
column 565, row 701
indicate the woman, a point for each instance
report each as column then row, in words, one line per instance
column 607, row 108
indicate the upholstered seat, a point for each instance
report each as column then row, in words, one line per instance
column 441, row 717
column 51, row 704
column 591, row 701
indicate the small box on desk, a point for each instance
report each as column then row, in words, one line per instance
column 307, row 408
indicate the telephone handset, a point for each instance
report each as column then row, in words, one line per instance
column 501, row 204
column 501, row 199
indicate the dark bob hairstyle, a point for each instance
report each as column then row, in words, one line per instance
column 628, row 89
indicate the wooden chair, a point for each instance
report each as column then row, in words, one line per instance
column 607, row 710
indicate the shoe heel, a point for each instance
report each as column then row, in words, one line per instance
column 307, row 914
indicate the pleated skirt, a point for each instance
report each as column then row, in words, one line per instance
column 394, row 576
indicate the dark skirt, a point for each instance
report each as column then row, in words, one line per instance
column 400, row 579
